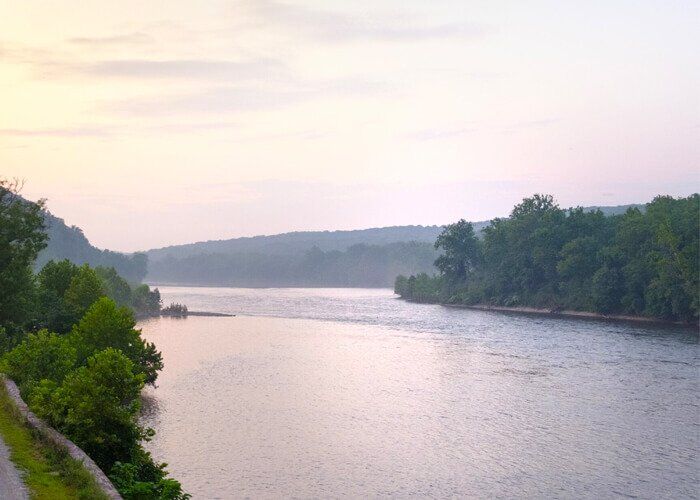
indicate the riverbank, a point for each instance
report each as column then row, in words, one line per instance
column 189, row 313
column 566, row 313
column 210, row 314
column 48, row 469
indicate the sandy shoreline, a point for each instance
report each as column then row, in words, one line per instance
column 570, row 314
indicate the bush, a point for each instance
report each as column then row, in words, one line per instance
column 106, row 325
column 177, row 310
column 84, row 290
column 96, row 406
column 40, row 356
column 127, row 478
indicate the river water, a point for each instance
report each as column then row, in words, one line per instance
column 353, row 393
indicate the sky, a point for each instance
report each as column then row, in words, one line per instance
column 155, row 123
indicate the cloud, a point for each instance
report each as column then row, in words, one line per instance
column 230, row 98
column 216, row 70
column 19, row 53
column 51, row 64
column 136, row 38
column 103, row 131
column 56, row 132
column 334, row 26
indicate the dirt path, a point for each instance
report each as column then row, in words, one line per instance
column 11, row 485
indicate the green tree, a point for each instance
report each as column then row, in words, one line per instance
column 40, row 356
column 401, row 285
column 672, row 291
column 107, row 326
column 578, row 262
column 643, row 262
column 54, row 279
column 22, row 236
column 145, row 301
column 461, row 252
column 607, row 288
column 134, row 484
column 522, row 251
column 116, row 287
column 85, row 289
column 57, row 276
column 96, row 406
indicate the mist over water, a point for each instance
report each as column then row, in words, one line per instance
column 351, row 392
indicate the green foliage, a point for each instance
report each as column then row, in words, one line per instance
column 420, row 288
column 40, row 356
column 356, row 265
column 176, row 310
column 107, row 326
column 128, row 479
column 53, row 281
column 116, row 287
column 69, row 242
column 87, row 383
column 521, row 252
column 401, row 285
column 48, row 472
column 643, row 262
column 57, row 276
column 462, row 252
column 21, row 238
column 95, row 405
column 65, row 291
column 146, row 301
column 84, row 289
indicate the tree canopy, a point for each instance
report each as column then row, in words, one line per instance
column 643, row 262
column 68, row 338
column 22, row 236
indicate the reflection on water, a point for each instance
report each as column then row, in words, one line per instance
column 327, row 393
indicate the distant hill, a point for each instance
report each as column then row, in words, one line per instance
column 69, row 242
column 300, row 242
column 358, row 266
column 617, row 209
column 365, row 257
column 297, row 243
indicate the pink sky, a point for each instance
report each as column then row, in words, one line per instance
column 209, row 120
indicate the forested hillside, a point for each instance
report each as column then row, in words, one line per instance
column 358, row 266
column 643, row 262
column 298, row 243
column 69, row 242
column 361, row 258
column 68, row 338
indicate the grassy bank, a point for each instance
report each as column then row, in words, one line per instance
column 49, row 473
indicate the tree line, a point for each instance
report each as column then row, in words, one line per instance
column 643, row 262
column 68, row 338
column 69, row 242
column 359, row 265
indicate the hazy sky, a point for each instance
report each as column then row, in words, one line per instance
column 151, row 123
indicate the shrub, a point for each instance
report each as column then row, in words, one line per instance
column 106, row 325
column 95, row 407
column 40, row 356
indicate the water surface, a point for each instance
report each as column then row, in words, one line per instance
column 351, row 392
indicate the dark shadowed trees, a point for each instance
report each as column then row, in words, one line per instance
column 643, row 262
column 22, row 236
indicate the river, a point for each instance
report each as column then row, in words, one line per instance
column 354, row 393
